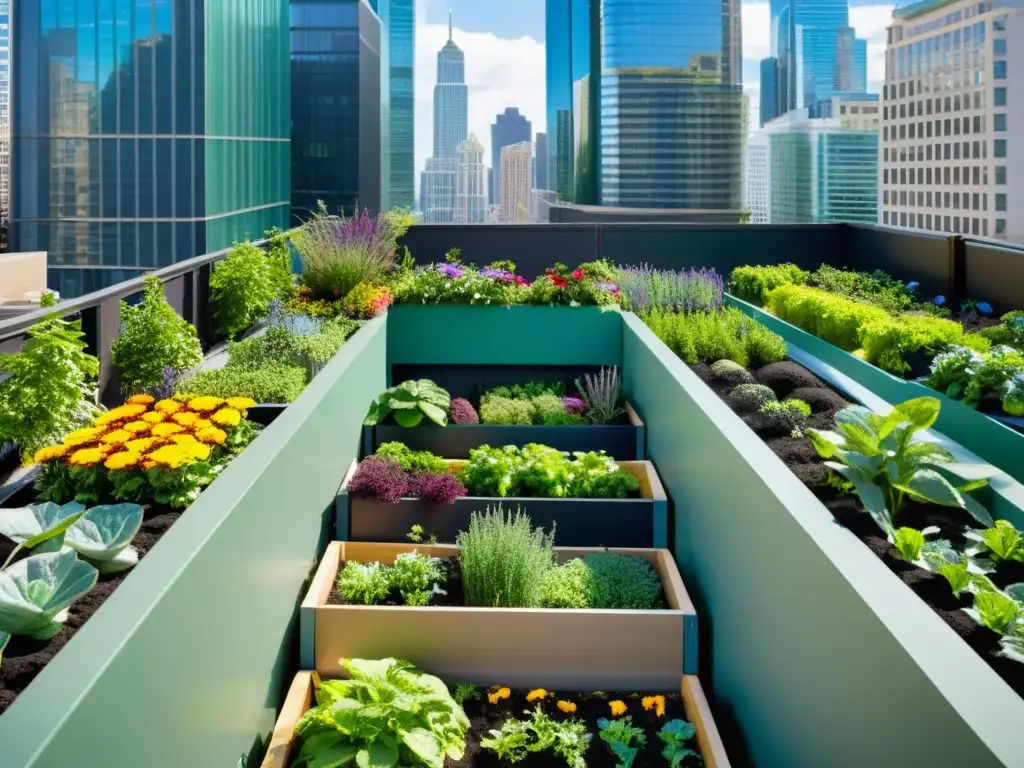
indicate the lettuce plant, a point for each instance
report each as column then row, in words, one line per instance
column 409, row 402
column 1002, row 543
column 878, row 456
column 388, row 714
column 675, row 734
column 1013, row 395
column 911, row 542
column 36, row 592
column 410, row 460
column 516, row 739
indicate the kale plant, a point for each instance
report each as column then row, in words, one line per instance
column 623, row 739
column 675, row 734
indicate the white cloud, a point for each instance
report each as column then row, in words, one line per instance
column 870, row 22
column 500, row 72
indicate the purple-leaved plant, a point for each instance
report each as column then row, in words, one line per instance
column 689, row 290
column 461, row 411
column 438, row 488
column 574, row 404
column 380, row 479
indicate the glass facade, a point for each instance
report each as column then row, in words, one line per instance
column 336, row 116
column 509, row 128
column 645, row 103
column 769, row 90
column 398, row 56
column 146, row 132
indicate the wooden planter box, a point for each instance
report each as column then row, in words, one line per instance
column 523, row 647
column 302, row 696
column 624, row 442
column 641, row 522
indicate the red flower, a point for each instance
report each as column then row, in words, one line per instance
column 558, row 280
column 578, row 274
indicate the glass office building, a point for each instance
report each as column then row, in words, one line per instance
column 645, row 103
column 398, row 56
column 336, row 106
column 145, row 132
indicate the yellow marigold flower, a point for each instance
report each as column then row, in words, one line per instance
column 213, row 435
column 226, row 417
column 657, row 703
column 205, row 403
column 166, row 429
column 87, row 457
column 498, row 694
column 202, row 423
column 537, row 694
column 241, row 403
column 141, row 444
column 567, row 706
column 199, row 451
column 618, row 707
column 147, row 463
column 185, row 418
column 167, row 406
column 137, row 427
column 83, row 436
column 183, row 438
column 116, row 437
column 122, row 460
column 171, row 456
column 122, row 413
column 50, row 452
column 141, row 400
column 153, row 417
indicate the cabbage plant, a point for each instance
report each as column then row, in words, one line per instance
column 101, row 535
column 35, row 593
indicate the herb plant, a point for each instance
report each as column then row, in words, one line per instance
column 789, row 415
column 529, row 390
column 153, row 337
column 505, row 411
column 409, row 402
column 461, row 411
column 276, row 383
column 623, row 739
column 516, row 739
column 241, row 289
column 388, row 714
column 603, row 580
column 279, row 258
column 751, row 397
column 688, row 290
column 465, row 692
column 415, row 577
column 675, row 734
column 410, row 460
column 704, row 337
column 364, row 583
column 567, row 586
column 602, row 392
column 381, row 479
column 753, row 283
column 878, row 455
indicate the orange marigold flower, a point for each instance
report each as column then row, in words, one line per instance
column 226, row 417
column 141, row 400
column 83, row 436
column 153, row 417
column 185, row 418
column 183, row 438
column 50, row 452
column 121, row 413
column 122, row 460
column 656, row 703
column 148, row 464
column 116, row 437
column 213, row 435
column 202, row 423
column 498, row 694
column 567, row 706
column 141, row 444
column 205, row 403
column 137, row 427
column 171, row 456
column 87, row 457
column 167, row 406
column 241, row 403
column 537, row 694
column 618, row 707
column 166, row 429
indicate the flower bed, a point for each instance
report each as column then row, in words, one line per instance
column 571, row 648
column 650, row 712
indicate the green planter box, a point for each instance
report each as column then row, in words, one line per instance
column 996, row 443
column 850, row 665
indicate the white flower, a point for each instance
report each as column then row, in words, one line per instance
column 476, row 295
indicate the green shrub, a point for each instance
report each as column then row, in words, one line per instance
column 887, row 341
column 504, row 560
column 316, row 350
column 833, row 318
column 505, row 411
column 279, row 259
column 410, row 460
column 153, row 337
column 567, row 586
column 241, row 289
column 274, row 347
column 1010, row 331
column 789, row 415
column 731, row 372
column 878, row 288
column 753, row 283
column 271, row 384
column 706, row 337
column 624, row 582
column 751, row 397
column 549, row 411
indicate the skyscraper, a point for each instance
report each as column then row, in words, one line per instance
column 645, row 101
column 514, row 199
column 758, row 189
column 137, row 142
column 470, row 183
column 398, row 57
column 5, row 109
column 540, row 162
column 769, row 107
column 451, row 127
column 509, row 128
column 336, row 126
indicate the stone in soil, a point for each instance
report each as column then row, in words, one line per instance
column 821, row 399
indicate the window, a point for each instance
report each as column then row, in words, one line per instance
column 945, row 199
column 903, row 131
column 1000, row 201
column 903, row 197
column 903, row 219
column 977, row 124
column 984, row 227
column 975, row 201
column 956, row 201
column 1000, row 226
column 974, row 226
column 999, row 121
column 885, row 217
column 974, row 176
column 885, row 196
column 903, row 110
column 928, row 178
column 999, row 96
column 1000, row 174
column 967, row 125
column 999, row 148
column 945, row 175
column 999, row 23
column 956, row 175
column 928, row 199
column 999, row 69
column 945, row 223
column 999, row 46
column 947, row 128
column 903, row 175
column 885, row 176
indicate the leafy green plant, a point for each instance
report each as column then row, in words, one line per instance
column 503, row 559
column 877, row 454
column 911, row 543
column 1002, row 543
column 511, row 742
column 465, row 692
column 410, row 460
column 888, row 341
column 567, row 586
column 753, row 283
column 364, row 583
column 388, row 714
column 835, row 319
column 153, row 337
column 271, row 384
column 529, row 390
column 50, row 389
column 996, row 610
column 241, row 289
column 706, row 337
column 623, row 738
column 410, row 401
column 750, row 397
column 675, row 734
column 417, row 577
column 504, row 411
column 516, row 739
column 878, row 288
column 279, row 259
column 789, row 415
column 549, row 410
column 622, row 582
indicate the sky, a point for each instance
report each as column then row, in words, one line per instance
column 504, row 45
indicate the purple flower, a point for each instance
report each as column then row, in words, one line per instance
column 380, row 479
column 168, row 382
column 984, row 308
column 605, row 286
column 913, row 286
column 497, row 274
column 438, row 488
column 938, row 301
column 574, row 404
column 449, row 270
column 461, row 411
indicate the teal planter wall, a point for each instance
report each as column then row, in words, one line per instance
column 519, row 335
column 815, row 649
column 997, row 444
column 187, row 662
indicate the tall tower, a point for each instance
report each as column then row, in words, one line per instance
column 514, row 201
column 510, row 127
column 470, row 183
column 451, row 127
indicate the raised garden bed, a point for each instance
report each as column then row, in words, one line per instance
column 690, row 704
column 524, row 647
column 632, row 523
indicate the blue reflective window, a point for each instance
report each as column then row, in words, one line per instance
column 999, row 70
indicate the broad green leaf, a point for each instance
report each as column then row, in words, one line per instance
column 870, row 495
column 104, row 535
column 929, row 485
column 921, row 412
column 1016, row 591
column 435, row 414
column 825, row 442
column 334, row 756
column 408, row 418
column 995, row 610
column 909, row 542
column 976, row 510
column 1012, row 647
column 928, row 452
column 379, row 754
column 856, row 425
column 423, row 744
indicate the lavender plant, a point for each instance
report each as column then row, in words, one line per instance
column 602, row 392
column 643, row 288
column 165, row 389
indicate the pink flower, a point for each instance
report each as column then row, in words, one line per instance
column 578, row 274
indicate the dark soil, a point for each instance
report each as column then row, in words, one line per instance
column 799, row 455
column 485, row 717
column 25, row 658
